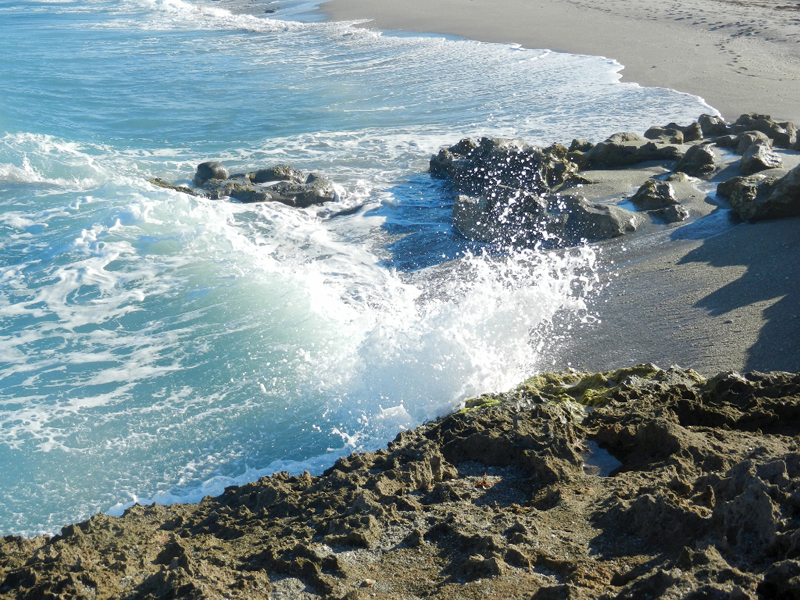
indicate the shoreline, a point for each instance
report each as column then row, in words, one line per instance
column 709, row 301
column 738, row 57
column 671, row 486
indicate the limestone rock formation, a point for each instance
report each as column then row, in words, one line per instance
column 784, row 135
column 675, row 134
column 759, row 157
column 529, row 219
column 505, row 195
column 671, row 486
column 699, row 161
column 759, row 197
column 658, row 197
column 712, row 126
column 281, row 183
column 626, row 149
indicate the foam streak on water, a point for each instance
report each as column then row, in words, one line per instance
column 156, row 346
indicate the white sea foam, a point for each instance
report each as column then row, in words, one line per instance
column 158, row 347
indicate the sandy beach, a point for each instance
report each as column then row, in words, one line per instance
column 739, row 56
column 700, row 299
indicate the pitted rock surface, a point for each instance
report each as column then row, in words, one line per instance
column 493, row 501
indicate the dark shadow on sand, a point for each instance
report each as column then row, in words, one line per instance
column 770, row 251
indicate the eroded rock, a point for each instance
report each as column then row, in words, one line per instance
column 491, row 501
column 783, row 134
column 658, row 197
column 626, row 149
column 712, row 126
column 281, row 183
column 699, row 161
column 761, row 197
column 759, row 157
column 527, row 219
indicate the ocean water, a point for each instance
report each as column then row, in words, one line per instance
column 159, row 347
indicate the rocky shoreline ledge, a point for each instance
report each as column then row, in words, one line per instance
column 509, row 192
column 636, row 483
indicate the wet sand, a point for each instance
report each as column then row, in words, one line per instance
column 727, row 302
column 703, row 299
column 739, row 56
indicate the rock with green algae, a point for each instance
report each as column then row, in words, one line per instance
column 492, row 501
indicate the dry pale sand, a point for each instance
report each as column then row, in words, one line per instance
column 700, row 299
column 739, row 55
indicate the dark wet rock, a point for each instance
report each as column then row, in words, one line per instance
column 759, row 157
column 303, row 195
column 626, row 149
column 675, row 134
column 761, row 197
column 784, row 135
column 278, row 173
column 504, row 195
column 175, row 188
column 239, row 189
column 527, row 219
column 580, row 220
column 580, row 146
column 489, row 502
column 492, row 164
column 477, row 218
column 209, row 170
column 712, row 126
column 699, row 161
column 668, row 135
column 281, row 183
column 658, row 197
column 781, row 580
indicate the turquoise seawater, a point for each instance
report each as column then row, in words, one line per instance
column 158, row 347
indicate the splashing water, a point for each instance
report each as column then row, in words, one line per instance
column 158, row 347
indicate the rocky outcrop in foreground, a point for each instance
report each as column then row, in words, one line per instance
column 281, row 183
column 516, row 496
column 512, row 192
